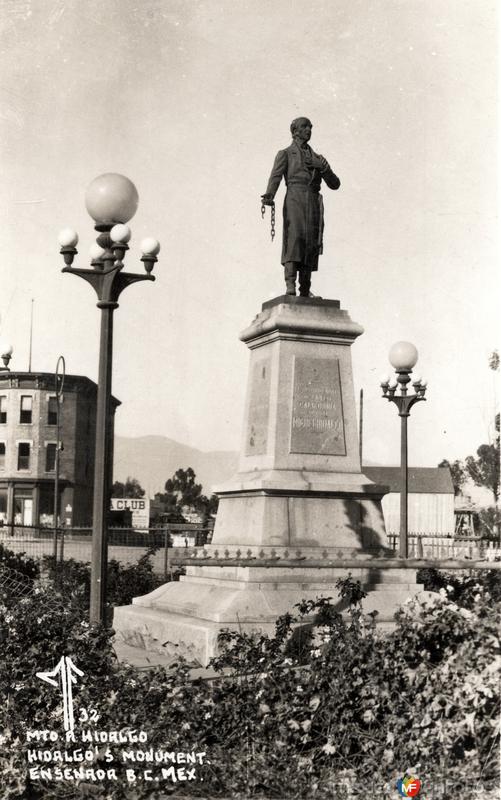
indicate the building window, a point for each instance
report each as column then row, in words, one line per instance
column 23, row 455
column 46, row 506
column 50, row 457
column 52, row 411
column 3, row 409
column 26, row 409
column 2, row 455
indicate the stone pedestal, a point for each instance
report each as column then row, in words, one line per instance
column 299, row 493
column 299, row 482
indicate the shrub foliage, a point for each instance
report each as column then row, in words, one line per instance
column 309, row 712
column 123, row 582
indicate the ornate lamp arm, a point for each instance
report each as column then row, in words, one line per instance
column 107, row 278
column 404, row 401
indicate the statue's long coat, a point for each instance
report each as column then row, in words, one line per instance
column 303, row 207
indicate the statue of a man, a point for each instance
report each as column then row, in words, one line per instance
column 303, row 215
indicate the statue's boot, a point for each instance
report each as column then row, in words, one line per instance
column 290, row 270
column 304, row 282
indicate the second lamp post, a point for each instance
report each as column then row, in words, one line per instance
column 403, row 357
column 111, row 201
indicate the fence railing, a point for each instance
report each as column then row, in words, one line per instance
column 122, row 534
column 369, row 565
column 447, row 545
column 179, row 544
column 126, row 545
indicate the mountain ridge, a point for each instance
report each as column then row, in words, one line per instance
column 153, row 459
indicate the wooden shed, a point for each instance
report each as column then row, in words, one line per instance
column 430, row 503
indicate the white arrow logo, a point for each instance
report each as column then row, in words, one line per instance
column 66, row 672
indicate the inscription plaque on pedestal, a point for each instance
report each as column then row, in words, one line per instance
column 317, row 424
column 256, row 439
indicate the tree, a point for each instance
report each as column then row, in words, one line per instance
column 180, row 490
column 183, row 490
column 207, row 506
column 131, row 488
column 484, row 469
column 494, row 361
column 489, row 520
column 213, row 504
column 458, row 474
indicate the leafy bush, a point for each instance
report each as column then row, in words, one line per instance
column 462, row 589
column 34, row 633
column 126, row 582
column 123, row 582
column 425, row 695
column 20, row 562
column 309, row 712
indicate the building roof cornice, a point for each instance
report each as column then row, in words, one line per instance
column 13, row 379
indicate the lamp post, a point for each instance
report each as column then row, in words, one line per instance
column 403, row 357
column 111, row 201
column 59, row 386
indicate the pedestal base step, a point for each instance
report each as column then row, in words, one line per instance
column 172, row 635
column 185, row 618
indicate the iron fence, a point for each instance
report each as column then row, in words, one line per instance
column 447, row 545
column 174, row 545
column 126, row 545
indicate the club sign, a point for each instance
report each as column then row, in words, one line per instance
column 139, row 506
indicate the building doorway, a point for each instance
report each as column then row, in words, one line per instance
column 23, row 507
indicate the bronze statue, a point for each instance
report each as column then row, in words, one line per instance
column 303, row 212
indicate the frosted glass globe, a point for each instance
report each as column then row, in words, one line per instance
column 96, row 251
column 111, row 198
column 150, row 246
column 403, row 355
column 6, row 349
column 68, row 237
column 120, row 233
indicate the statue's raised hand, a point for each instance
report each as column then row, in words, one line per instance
column 321, row 163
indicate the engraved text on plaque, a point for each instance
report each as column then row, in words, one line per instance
column 317, row 424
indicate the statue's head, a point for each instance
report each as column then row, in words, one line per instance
column 301, row 128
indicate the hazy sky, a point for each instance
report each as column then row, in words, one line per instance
column 192, row 100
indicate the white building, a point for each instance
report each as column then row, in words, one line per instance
column 430, row 500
